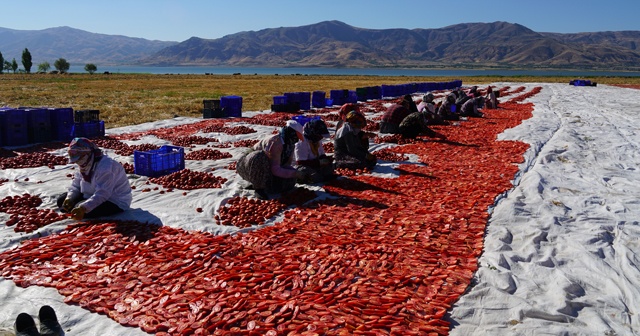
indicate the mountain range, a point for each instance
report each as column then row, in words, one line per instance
column 336, row 44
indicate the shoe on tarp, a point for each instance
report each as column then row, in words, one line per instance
column 49, row 325
column 25, row 325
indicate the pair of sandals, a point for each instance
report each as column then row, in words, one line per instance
column 49, row 326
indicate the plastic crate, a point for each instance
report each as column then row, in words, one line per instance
column 14, row 125
column 88, row 129
column 83, row 116
column 279, row 100
column 318, row 99
column 158, row 162
column 212, row 113
column 231, row 105
column 39, row 125
column 211, row 104
column 61, row 123
column 302, row 119
column 339, row 97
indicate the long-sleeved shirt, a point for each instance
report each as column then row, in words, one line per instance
column 108, row 183
column 273, row 147
column 395, row 114
column 349, row 142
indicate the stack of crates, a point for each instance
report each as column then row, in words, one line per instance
column 87, row 124
column 212, row 109
column 281, row 104
column 39, row 125
column 158, row 162
column 318, row 99
column 231, row 105
column 374, row 92
column 61, row 123
column 339, row 97
column 14, row 127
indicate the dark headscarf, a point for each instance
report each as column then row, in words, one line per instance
column 315, row 130
column 289, row 138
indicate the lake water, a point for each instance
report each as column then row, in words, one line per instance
column 347, row 71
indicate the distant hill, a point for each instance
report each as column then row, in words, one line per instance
column 76, row 46
column 336, row 44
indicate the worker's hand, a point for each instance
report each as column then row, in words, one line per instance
column 67, row 205
column 78, row 213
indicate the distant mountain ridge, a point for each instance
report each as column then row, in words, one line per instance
column 76, row 46
column 336, row 44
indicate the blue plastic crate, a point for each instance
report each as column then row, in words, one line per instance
column 14, row 125
column 39, row 125
column 231, row 105
column 318, row 99
column 90, row 129
column 302, row 119
column 83, row 116
column 279, row 100
column 374, row 92
column 61, row 123
column 158, row 162
column 339, row 97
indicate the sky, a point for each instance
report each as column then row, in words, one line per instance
column 179, row 20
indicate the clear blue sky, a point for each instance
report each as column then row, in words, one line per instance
column 179, row 20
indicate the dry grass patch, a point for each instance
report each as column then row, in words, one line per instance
column 128, row 99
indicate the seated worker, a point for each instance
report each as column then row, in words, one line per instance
column 471, row 106
column 408, row 102
column 268, row 167
column 491, row 98
column 415, row 124
column 344, row 110
column 448, row 109
column 350, row 151
column 431, row 110
column 100, row 186
column 394, row 115
column 309, row 154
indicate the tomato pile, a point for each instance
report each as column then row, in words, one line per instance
column 387, row 154
column 30, row 160
column 244, row 212
column 379, row 256
column 187, row 179
column 207, row 154
column 25, row 215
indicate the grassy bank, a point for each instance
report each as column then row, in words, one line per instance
column 125, row 99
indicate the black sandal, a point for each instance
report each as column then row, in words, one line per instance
column 49, row 325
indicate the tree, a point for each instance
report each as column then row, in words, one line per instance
column 1, row 63
column 44, row 67
column 90, row 68
column 61, row 65
column 14, row 65
column 6, row 65
column 26, row 60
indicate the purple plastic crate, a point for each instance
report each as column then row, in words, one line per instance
column 39, row 125
column 158, row 162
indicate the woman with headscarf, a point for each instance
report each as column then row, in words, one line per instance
column 309, row 153
column 344, row 110
column 100, row 186
column 349, row 149
column 268, row 167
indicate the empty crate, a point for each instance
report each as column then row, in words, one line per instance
column 158, row 162
column 61, row 123
column 14, row 127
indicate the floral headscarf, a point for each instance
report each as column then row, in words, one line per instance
column 315, row 130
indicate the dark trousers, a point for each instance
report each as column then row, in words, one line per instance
column 105, row 209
